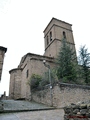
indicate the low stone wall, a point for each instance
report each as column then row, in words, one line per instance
column 3, row 96
column 62, row 94
column 1, row 106
column 77, row 112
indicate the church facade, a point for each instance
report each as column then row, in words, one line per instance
column 33, row 63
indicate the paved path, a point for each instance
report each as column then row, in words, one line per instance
column 21, row 105
column 56, row 114
column 35, row 110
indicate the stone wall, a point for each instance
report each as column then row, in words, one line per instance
column 77, row 111
column 19, row 87
column 57, row 27
column 63, row 94
column 2, row 54
column 15, row 84
column 3, row 96
column 1, row 106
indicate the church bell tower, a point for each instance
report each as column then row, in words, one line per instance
column 54, row 33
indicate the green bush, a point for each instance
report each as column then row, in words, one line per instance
column 43, row 83
column 34, row 81
column 39, row 82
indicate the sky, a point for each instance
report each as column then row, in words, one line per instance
column 22, row 23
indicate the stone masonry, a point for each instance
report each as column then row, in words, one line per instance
column 31, row 63
column 80, row 111
column 3, row 50
column 63, row 94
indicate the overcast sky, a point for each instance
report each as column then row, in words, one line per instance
column 22, row 23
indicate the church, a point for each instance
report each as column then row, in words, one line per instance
column 31, row 63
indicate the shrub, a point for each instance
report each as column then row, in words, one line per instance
column 34, row 81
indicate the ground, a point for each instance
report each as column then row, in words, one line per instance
column 34, row 115
column 34, row 110
column 22, row 105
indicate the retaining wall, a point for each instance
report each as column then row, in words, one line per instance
column 62, row 94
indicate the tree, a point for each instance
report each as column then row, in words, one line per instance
column 45, row 81
column 34, row 81
column 84, row 62
column 38, row 82
column 66, row 63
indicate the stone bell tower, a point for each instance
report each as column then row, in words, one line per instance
column 54, row 33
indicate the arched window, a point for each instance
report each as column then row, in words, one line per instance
column 64, row 34
column 27, row 73
column 47, row 40
column 50, row 36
